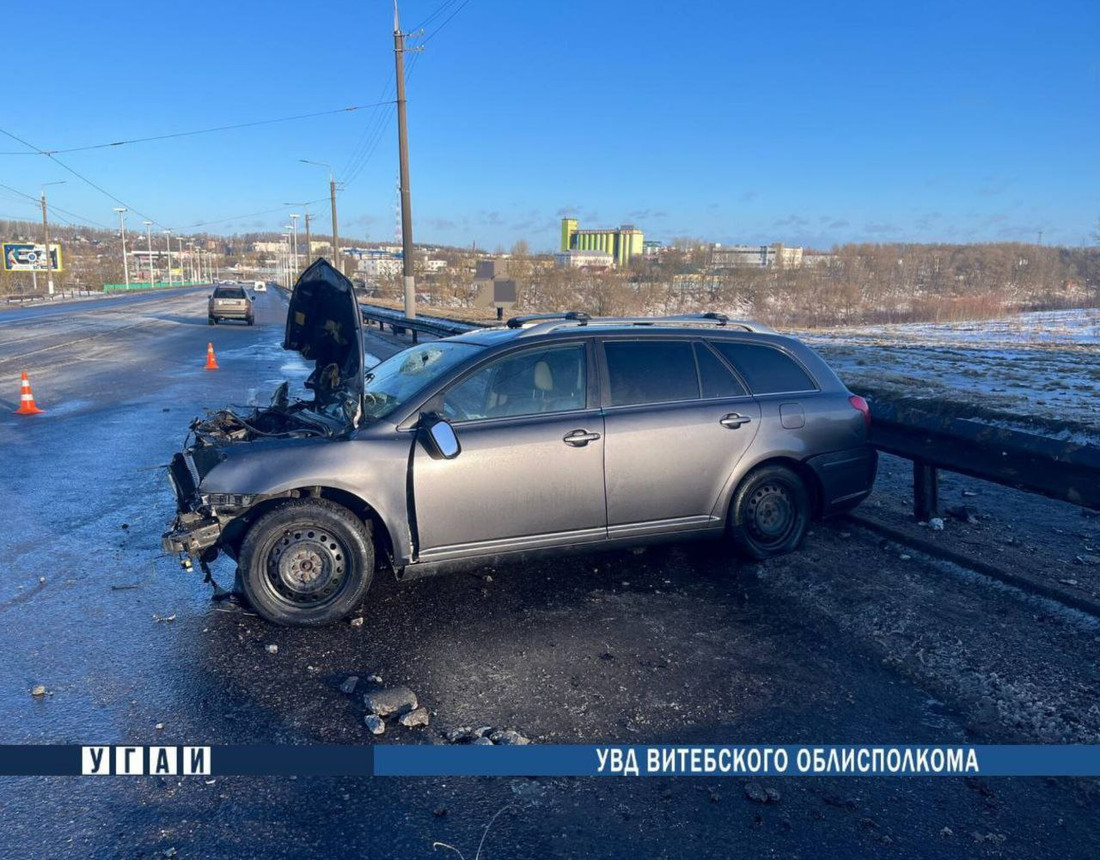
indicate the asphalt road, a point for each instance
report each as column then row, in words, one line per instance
column 849, row 641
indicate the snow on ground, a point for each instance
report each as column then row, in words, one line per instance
column 1036, row 371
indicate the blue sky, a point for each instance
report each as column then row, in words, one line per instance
column 805, row 122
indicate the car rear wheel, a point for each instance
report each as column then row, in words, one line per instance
column 211, row 321
column 770, row 512
column 306, row 563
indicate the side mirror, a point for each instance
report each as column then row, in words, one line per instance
column 439, row 438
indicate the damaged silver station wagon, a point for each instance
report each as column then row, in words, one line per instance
column 554, row 432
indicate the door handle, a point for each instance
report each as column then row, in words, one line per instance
column 579, row 438
column 733, row 421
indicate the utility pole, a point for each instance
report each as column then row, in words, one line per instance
column 294, row 220
column 309, row 244
column 1040, row 242
column 335, row 232
column 149, row 235
column 168, row 242
column 46, row 230
column 403, row 150
column 122, row 224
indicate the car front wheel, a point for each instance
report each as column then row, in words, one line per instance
column 211, row 321
column 306, row 563
column 770, row 512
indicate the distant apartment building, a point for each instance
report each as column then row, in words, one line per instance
column 584, row 259
column 622, row 243
column 380, row 265
column 758, row 256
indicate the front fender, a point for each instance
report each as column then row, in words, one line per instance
column 373, row 470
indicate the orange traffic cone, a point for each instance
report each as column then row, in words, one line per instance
column 26, row 399
column 211, row 362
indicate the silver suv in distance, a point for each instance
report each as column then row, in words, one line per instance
column 554, row 432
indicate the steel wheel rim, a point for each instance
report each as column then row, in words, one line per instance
column 306, row 567
column 772, row 514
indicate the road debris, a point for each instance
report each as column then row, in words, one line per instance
column 271, row 649
column 357, row 621
column 38, row 691
column 375, row 723
column 508, row 737
column 758, row 793
column 164, row 618
column 390, row 700
column 936, row 524
column 349, row 685
column 417, row 717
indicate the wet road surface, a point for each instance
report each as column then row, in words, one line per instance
column 844, row 642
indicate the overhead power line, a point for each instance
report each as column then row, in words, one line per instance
column 80, row 176
column 447, row 21
column 282, row 208
column 178, row 134
column 30, row 199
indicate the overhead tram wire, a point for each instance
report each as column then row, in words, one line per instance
column 253, row 214
column 56, row 210
column 192, row 133
column 79, row 176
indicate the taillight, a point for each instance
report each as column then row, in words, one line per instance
column 861, row 404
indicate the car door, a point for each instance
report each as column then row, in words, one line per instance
column 530, row 470
column 677, row 422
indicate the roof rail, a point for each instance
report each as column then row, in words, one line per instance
column 550, row 322
column 579, row 317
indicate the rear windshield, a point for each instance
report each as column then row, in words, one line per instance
column 229, row 293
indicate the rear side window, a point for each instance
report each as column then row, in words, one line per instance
column 766, row 369
column 651, row 371
column 715, row 378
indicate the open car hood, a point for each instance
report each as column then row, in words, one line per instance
column 323, row 323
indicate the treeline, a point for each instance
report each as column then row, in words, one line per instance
column 852, row 284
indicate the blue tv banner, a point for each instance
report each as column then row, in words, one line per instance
column 550, row 760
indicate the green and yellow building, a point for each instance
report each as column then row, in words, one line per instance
column 622, row 243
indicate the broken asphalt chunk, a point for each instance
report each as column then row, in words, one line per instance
column 391, row 700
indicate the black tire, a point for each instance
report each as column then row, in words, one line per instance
column 211, row 321
column 770, row 512
column 286, row 545
column 251, row 320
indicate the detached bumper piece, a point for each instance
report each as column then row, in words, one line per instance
column 192, row 535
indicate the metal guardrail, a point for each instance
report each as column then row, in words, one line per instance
column 1067, row 471
column 399, row 323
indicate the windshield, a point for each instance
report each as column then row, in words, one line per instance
column 402, row 376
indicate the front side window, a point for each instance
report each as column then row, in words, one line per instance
column 532, row 382
column 767, row 370
column 401, row 376
column 650, row 371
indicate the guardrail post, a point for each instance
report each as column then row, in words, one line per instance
column 926, row 485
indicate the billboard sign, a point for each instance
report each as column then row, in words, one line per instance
column 30, row 257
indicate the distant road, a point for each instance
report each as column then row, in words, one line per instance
column 9, row 312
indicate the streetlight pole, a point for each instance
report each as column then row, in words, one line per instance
column 403, row 158
column 168, row 242
column 46, row 230
column 332, row 197
column 294, row 220
column 149, row 235
column 179, row 241
column 121, row 210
